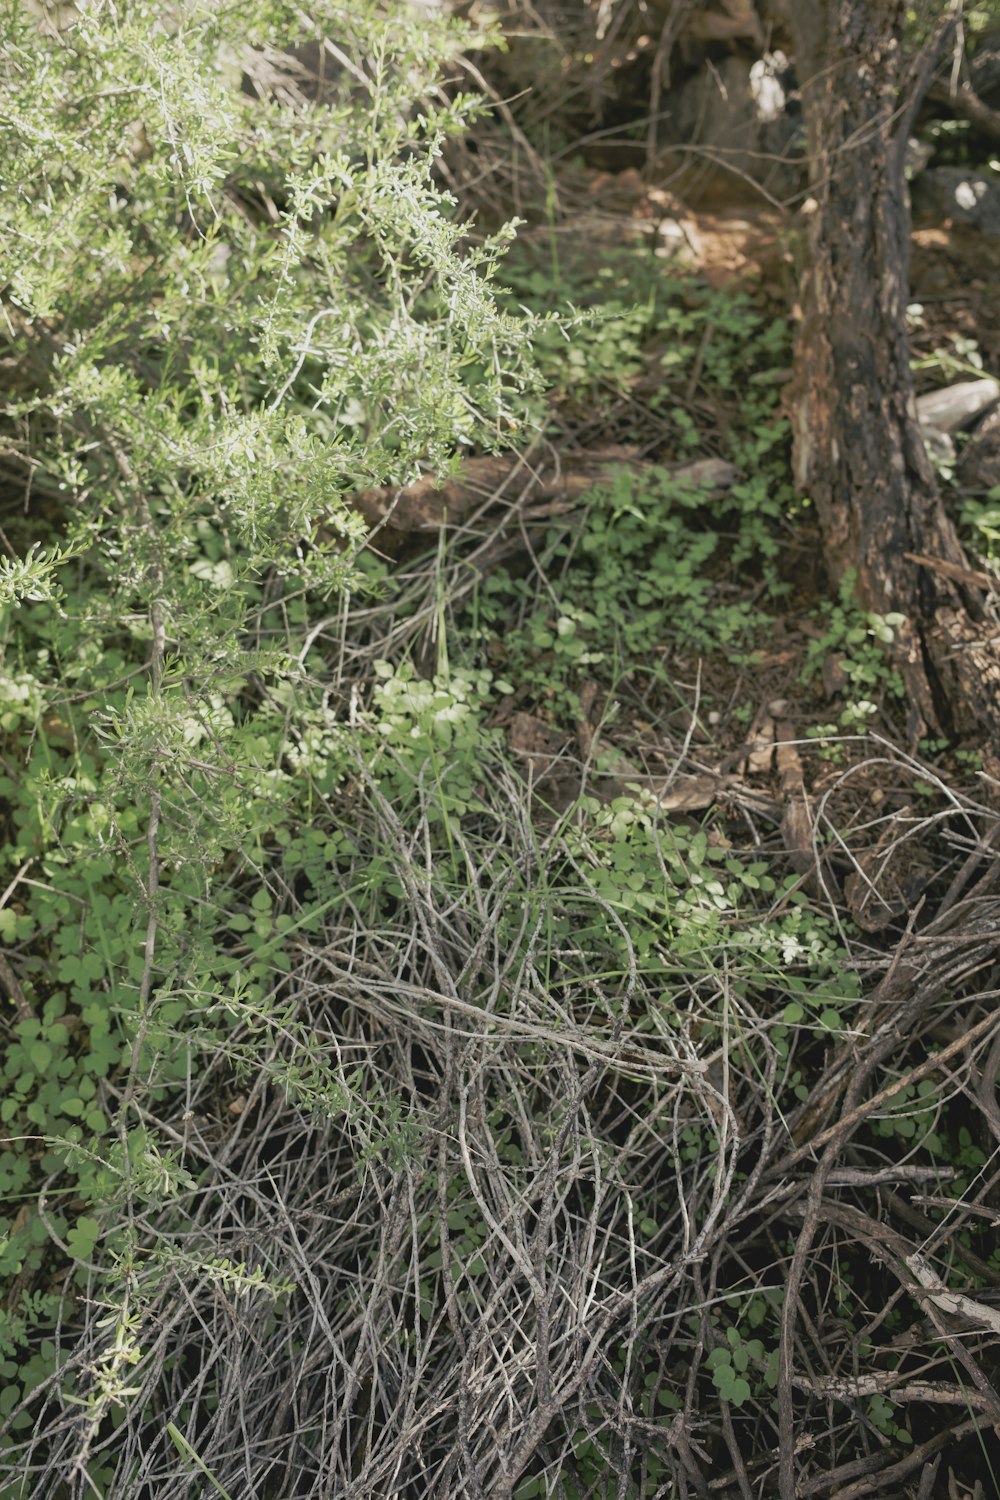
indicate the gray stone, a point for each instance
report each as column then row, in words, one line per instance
column 956, row 406
column 940, row 448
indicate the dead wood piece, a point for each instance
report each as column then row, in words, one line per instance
column 955, row 571
column 986, row 1090
column 796, row 819
column 807, row 1143
column 931, row 1234
column 914, row 1272
column 761, row 737
column 12, row 985
column 761, row 745
column 430, row 503
column 860, row 1386
column 873, row 1475
column 674, row 793
column 976, row 1209
column 796, row 834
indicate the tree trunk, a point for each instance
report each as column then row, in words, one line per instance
column 859, row 453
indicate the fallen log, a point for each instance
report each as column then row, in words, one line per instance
column 430, row 503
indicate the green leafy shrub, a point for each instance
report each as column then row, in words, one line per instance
column 631, row 582
column 217, row 325
column 857, row 639
column 737, row 1363
column 981, row 519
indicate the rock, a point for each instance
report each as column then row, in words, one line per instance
column 956, row 406
column 944, row 412
column 940, row 448
column 672, row 239
column 963, row 197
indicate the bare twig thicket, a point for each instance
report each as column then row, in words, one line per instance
column 476, row 1296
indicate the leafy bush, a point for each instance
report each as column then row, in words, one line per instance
column 629, row 583
column 857, row 639
column 639, row 568
column 217, row 324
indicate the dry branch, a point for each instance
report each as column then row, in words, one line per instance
column 431, row 502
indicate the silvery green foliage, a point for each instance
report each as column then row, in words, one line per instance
column 220, row 314
column 225, row 313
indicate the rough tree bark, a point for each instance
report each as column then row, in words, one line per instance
column 859, row 453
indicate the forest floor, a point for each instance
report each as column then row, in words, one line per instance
column 664, row 646
column 754, row 653
column 595, row 1094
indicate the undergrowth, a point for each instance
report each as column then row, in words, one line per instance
column 376, row 1121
